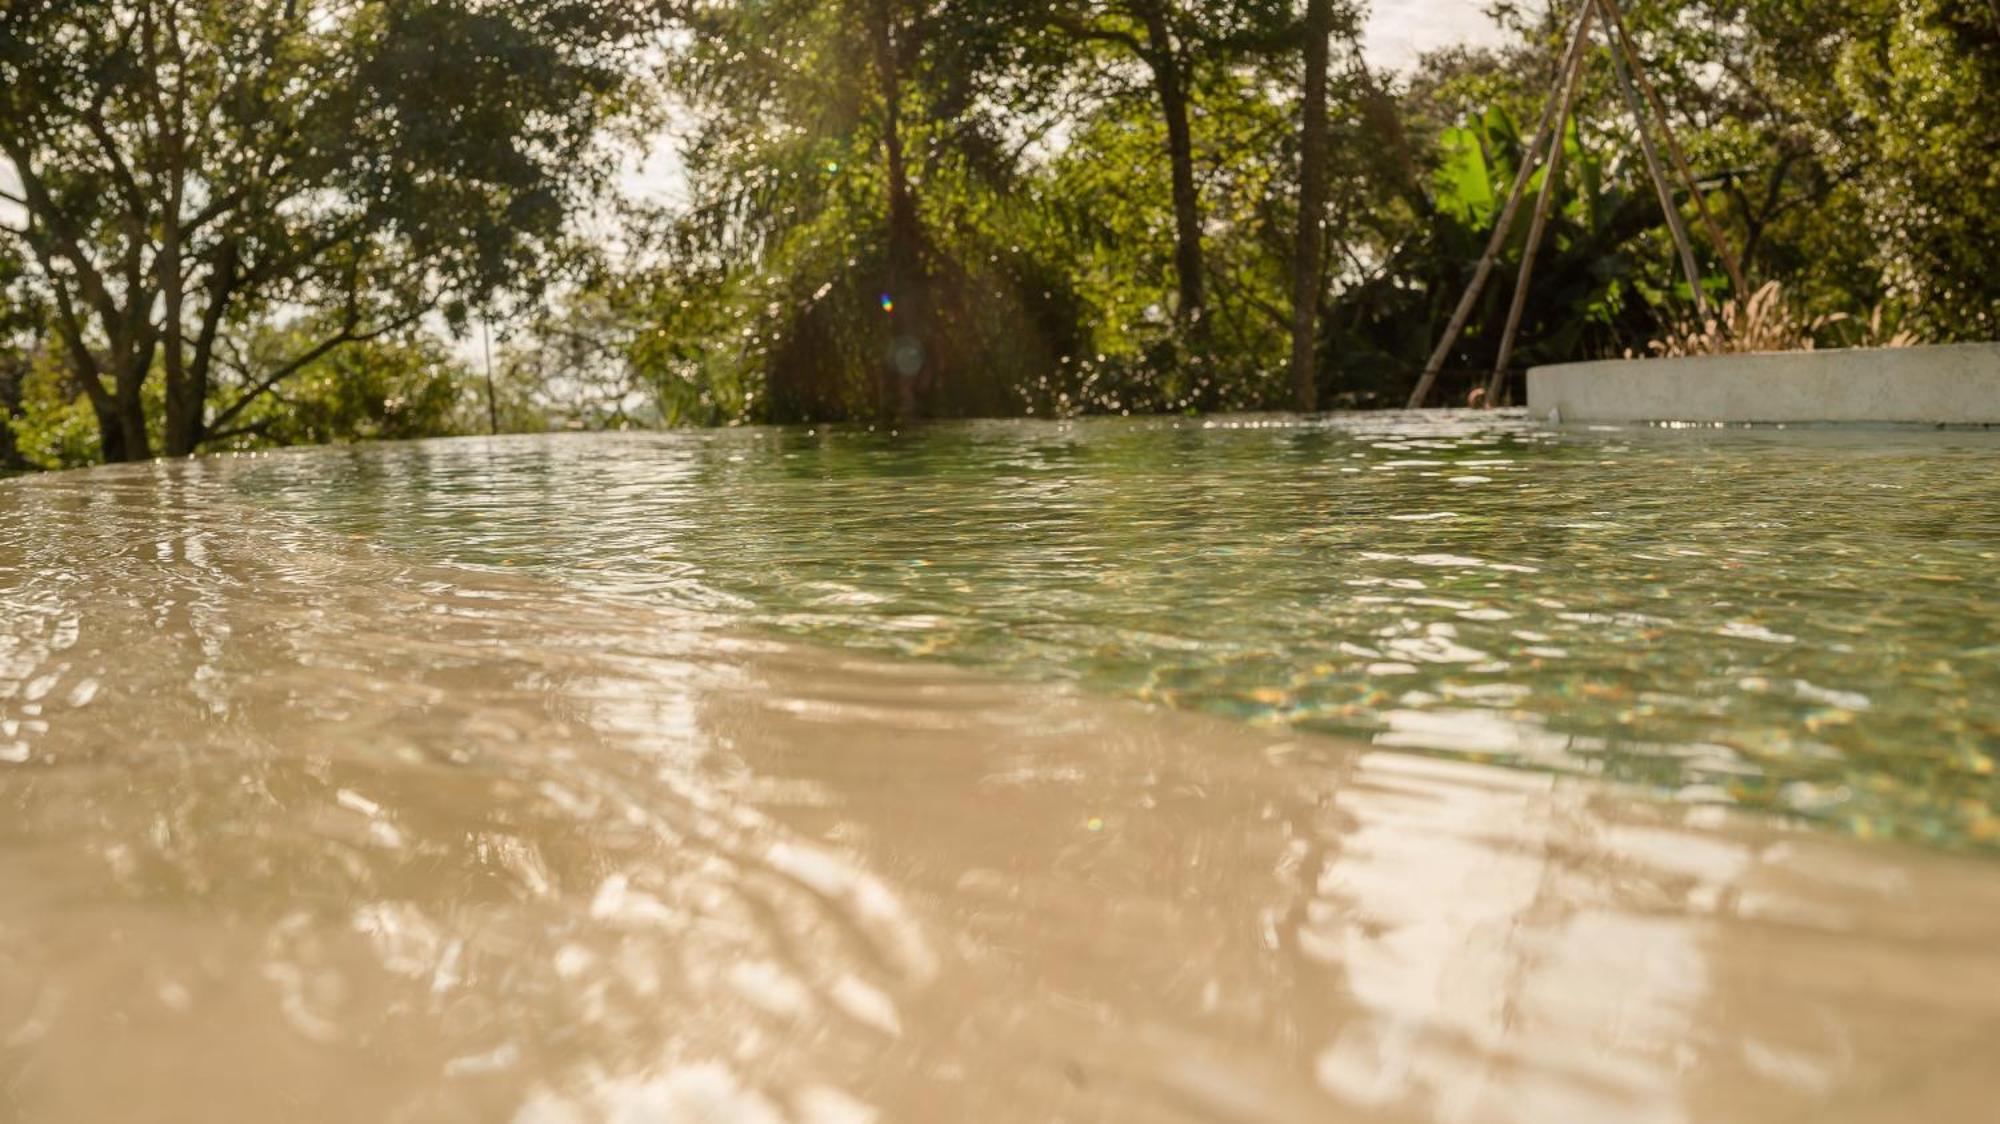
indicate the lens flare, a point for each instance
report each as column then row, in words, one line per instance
column 888, row 305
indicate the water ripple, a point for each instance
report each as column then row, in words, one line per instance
column 1624, row 588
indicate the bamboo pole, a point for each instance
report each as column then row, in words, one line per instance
column 1535, row 228
column 1673, row 212
column 1715, row 236
column 1529, row 159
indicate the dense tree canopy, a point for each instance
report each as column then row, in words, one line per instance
column 894, row 209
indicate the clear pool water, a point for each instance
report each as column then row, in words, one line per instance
column 798, row 776
column 1800, row 620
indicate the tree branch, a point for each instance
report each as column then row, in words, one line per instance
column 128, row 185
column 70, row 326
column 1076, row 28
column 42, row 204
column 346, row 335
column 221, row 288
column 239, row 431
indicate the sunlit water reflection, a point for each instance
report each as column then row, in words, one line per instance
column 555, row 780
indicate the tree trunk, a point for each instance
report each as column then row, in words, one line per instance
column 185, row 426
column 121, row 435
column 1170, row 81
column 187, row 394
column 904, row 298
column 182, row 432
column 131, row 361
column 1312, row 207
column 134, row 443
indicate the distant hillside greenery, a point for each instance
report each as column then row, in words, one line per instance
column 229, row 225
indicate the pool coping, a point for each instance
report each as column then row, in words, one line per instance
column 1945, row 384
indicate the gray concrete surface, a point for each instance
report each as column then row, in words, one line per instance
column 1958, row 384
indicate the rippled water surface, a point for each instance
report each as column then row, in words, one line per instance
column 804, row 776
column 1807, row 620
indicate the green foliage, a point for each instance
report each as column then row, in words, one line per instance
column 1922, row 89
column 51, row 424
column 388, row 388
column 1595, row 257
column 383, row 389
column 1852, row 142
column 1464, row 186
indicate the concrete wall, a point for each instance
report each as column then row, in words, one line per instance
column 1957, row 384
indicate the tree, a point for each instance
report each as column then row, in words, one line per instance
column 1848, row 143
column 857, row 243
column 1312, row 205
column 1891, row 111
column 186, row 167
column 1172, row 40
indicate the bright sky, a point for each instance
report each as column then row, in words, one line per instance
column 1400, row 30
